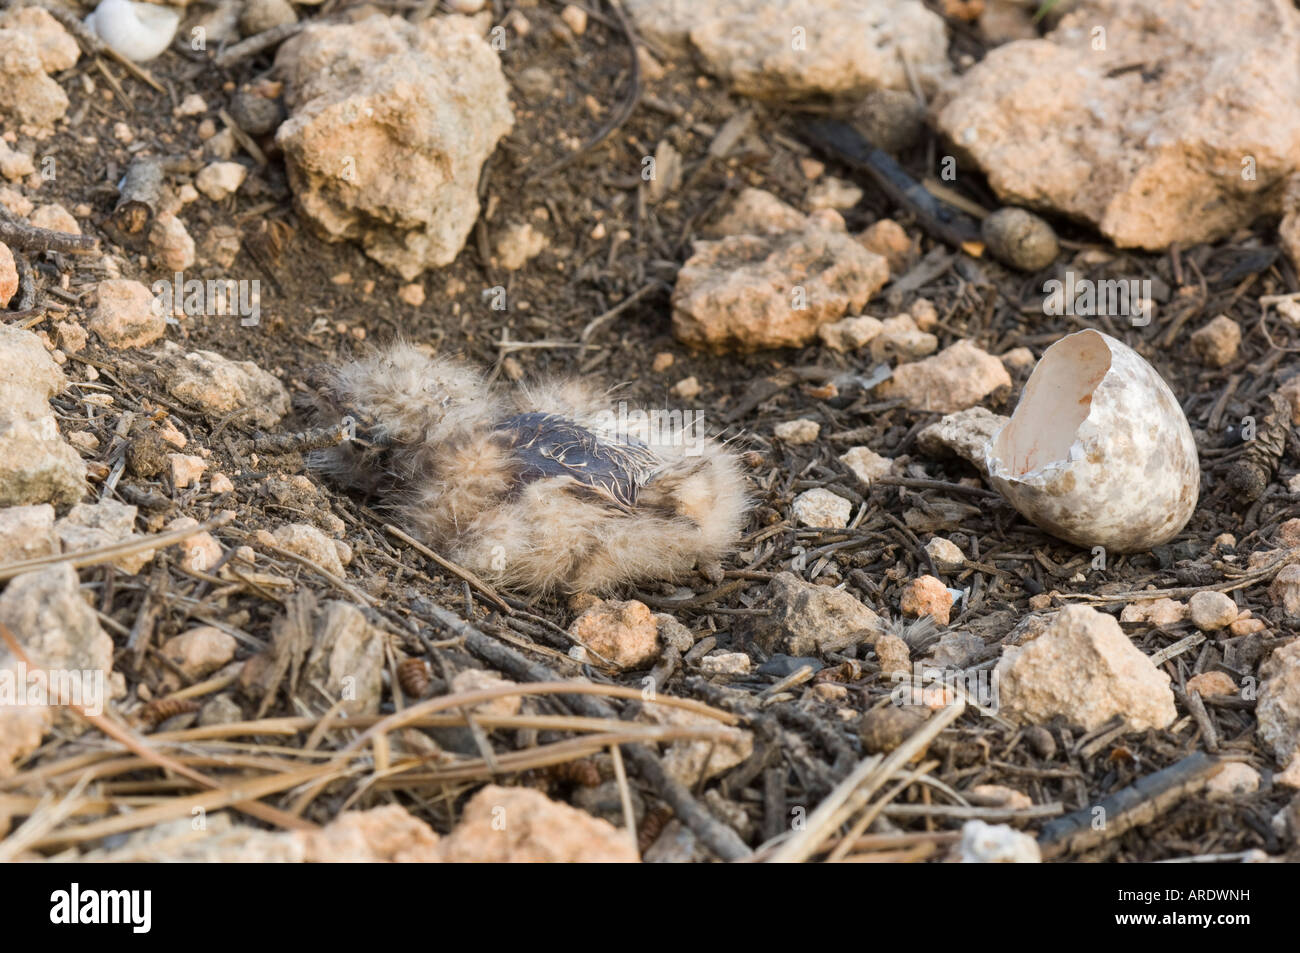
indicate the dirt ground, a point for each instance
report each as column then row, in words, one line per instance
column 608, row 243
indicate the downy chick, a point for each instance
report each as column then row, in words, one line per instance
column 543, row 489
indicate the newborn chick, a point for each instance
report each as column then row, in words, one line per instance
column 545, row 489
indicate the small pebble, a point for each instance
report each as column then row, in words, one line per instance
column 1020, row 239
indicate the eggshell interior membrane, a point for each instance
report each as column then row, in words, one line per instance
column 1098, row 451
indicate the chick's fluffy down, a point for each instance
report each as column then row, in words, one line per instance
column 542, row 489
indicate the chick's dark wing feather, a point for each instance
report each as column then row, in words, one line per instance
column 548, row 445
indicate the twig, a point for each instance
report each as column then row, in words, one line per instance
column 257, row 43
column 26, row 237
column 856, row 790
column 487, row 591
column 1138, row 804
column 104, row 554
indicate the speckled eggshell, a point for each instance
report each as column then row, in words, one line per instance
column 1098, row 451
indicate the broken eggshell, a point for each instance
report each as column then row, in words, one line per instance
column 138, row 31
column 1098, row 451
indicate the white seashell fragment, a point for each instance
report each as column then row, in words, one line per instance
column 1098, row 451
column 138, row 31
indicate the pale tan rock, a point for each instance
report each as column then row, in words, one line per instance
column 757, row 212
column 220, row 179
column 1216, row 344
column 186, row 469
column 893, row 655
column 518, row 244
column 797, row 48
column 808, row 619
column 386, row 834
column 522, row 825
column 1233, row 779
column 998, row 795
column 200, row 651
column 218, row 386
column 867, row 465
column 1246, row 626
column 688, row 388
column 27, row 95
column 926, row 596
column 849, row 334
column 748, row 292
column 389, row 126
column 55, row 46
column 219, row 483
column 728, row 664
column 1019, row 358
column 200, row 552
column 71, row 337
column 36, row 464
column 171, row 244
column 1285, row 590
column 819, row 507
column 1211, row 610
column 1290, row 777
column 983, row 843
column 834, row 193
column 889, row 240
column 1277, row 708
column 663, row 360
column 54, row 625
column 945, row 554
column 1020, row 239
column 797, row 432
column 261, row 15
column 476, row 679
column 412, row 294
column 624, row 633
column 56, row 218
column 575, row 18
column 672, row 632
column 1288, row 534
column 1084, row 668
column 8, row 276
column 105, row 523
column 125, row 315
column 310, row 543
column 221, row 246
column 1212, row 683
column 691, row 762
column 27, row 532
column 15, row 166
column 1157, row 612
column 956, row 378
column 900, row 339
column 346, row 662
column 12, row 201
column 1166, row 157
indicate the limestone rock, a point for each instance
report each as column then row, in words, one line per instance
column 808, row 619
column 218, row 386
column 747, row 292
column 27, row 95
column 27, row 532
column 125, row 315
column 624, row 633
column 820, row 507
column 1085, row 668
column 389, row 126
column 105, row 523
column 956, row 378
column 840, row 47
column 36, row 464
column 1184, row 153
column 55, row 45
column 346, row 660
column 1278, row 706
column 522, row 825
column 964, row 434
